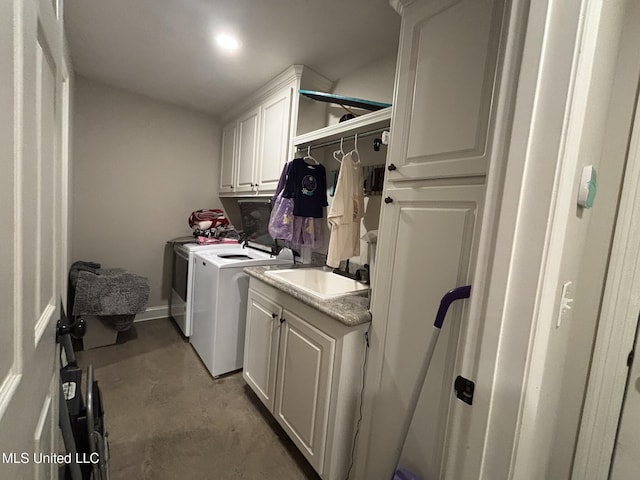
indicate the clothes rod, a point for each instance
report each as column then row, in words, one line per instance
column 315, row 146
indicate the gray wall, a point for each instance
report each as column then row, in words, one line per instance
column 140, row 167
column 371, row 82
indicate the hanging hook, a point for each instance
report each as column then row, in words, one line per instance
column 355, row 148
column 338, row 154
column 308, row 155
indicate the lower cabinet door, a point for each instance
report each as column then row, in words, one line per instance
column 261, row 346
column 305, row 372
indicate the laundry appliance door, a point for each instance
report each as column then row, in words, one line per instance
column 178, row 305
column 203, row 310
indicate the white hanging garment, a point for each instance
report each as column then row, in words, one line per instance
column 346, row 212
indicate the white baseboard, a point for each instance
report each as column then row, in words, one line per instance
column 153, row 313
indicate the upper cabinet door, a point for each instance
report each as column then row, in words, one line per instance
column 274, row 140
column 445, row 85
column 248, row 128
column 228, row 161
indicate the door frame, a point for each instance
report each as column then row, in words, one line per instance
column 66, row 86
column 616, row 328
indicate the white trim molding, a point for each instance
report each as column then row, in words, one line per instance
column 44, row 321
column 616, row 331
column 533, row 432
column 153, row 313
column 8, row 389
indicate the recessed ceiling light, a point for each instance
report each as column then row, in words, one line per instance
column 227, row 42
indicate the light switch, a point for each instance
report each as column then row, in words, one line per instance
column 566, row 303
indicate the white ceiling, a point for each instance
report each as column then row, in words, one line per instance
column 165, row 48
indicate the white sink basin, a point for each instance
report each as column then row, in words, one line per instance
column 318, row 282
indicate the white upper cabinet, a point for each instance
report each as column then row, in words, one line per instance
column 227, row 174
column 445, row 87
column 257, row 139
column 274, row 140
column 248, row 131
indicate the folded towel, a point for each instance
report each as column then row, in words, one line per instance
column 110, row 292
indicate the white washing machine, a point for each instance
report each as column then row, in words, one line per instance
column 181, row 301
column 220, row 289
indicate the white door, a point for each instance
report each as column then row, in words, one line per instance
column 623, row 283
column 262, row 337
column 626, row 462
column 248, row 129
column 305, row 368
column 228, row 161
column 33, row 103
column 274, row 138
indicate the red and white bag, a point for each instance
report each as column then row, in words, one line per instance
column 208, row 218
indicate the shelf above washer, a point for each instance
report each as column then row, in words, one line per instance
column 362, row 125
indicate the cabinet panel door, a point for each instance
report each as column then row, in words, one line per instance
column 305, row 369
column 274, row 141
column 262, row 336
column 428, row 234
column 446, row 79
column 228, row 160
column 248, row 128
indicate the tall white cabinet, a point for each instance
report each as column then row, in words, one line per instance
column 441, row 146
column 258, row 133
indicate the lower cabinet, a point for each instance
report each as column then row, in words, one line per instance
column 305, row 366
column 307, row 370
column 261, row 340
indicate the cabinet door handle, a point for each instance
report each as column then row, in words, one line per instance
column 391, row 167
column 281, row 319
column 388, row 200
column 274, row 315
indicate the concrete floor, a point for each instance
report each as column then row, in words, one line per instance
column 168, row 419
